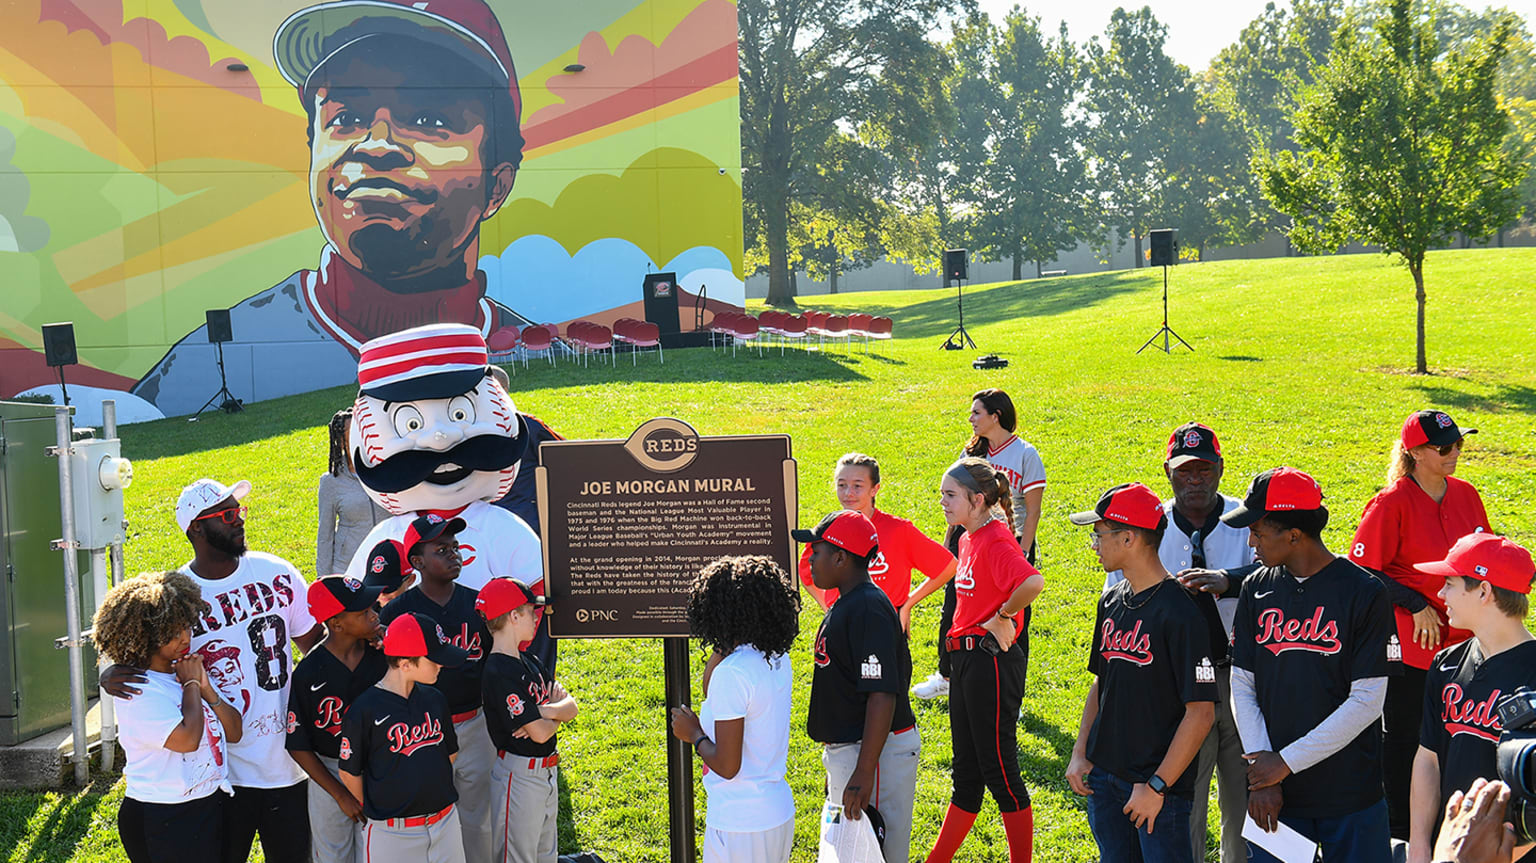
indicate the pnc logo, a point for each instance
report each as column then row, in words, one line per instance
column 586, row 615
column 663, row 445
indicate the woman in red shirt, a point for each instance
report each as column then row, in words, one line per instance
column 1416, row 519
column 994, row 584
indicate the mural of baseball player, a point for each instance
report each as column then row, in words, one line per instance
column 414, row 141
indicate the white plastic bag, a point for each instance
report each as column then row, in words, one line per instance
column 844, row 840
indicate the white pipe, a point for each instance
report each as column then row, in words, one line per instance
column 111, row 570
column 66, row 440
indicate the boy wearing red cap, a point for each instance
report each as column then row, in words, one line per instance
column 325, row 683
column 1153, row 698
column 1312, row 647
column 1486, row 591
column 524, row 707
column 398, row 748
column 859, row 710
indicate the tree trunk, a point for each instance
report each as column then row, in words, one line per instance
column 1018, row 268
column 781, row 291
column 1416, row 267
column 1137, row 235
column 1039, row 270
column 832, row 275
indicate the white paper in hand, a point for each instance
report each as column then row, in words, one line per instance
column 846, row 841
column 1285, row 844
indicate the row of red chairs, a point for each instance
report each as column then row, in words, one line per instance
column 638, row 334
column 786, row 327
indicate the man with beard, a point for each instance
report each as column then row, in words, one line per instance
column 414, row 140
column 254, row 603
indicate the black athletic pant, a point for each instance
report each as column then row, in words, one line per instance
column 984, row 697
column 172, row 832
column 280, row 815
column 947, row 615
column 1400, row 742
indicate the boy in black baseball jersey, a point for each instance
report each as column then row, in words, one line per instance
column 1313, row 643
column 1152, row 702
column 325, row 683
column 433, row 552
column 1487, row 587
column 523, row 709
column 859, row 709
column 398, row 748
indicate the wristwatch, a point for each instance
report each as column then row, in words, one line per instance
column 1157, row 785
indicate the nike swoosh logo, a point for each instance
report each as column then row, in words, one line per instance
column 1262, row 595
column 381, row 721
column 1451, row 667
column 317, row 687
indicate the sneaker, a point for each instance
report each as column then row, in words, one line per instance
column 934, row 687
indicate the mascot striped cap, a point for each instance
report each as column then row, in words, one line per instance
column 430, row 362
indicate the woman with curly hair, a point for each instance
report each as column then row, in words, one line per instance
column 747, row 610
column 346, row 513
column 174, row 731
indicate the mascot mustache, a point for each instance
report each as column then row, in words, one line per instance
column 489, row 452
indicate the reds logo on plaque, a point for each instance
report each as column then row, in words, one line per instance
column 663, row 445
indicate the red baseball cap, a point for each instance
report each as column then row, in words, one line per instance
column 1431, row 427
column 387, row 566
column 335, row 594
column 415, row 634
column 425, row 528
column 1192, row 442
column 1281, row 489
column 848, row 530
column 1486, row 557
column 1130, row 504
column 501, row 595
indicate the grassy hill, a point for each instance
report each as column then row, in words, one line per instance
column 1299, row 362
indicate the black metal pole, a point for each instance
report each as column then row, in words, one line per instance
column 679, row 754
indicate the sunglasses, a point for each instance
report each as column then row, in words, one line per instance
column 1449, row 448
column 229, row 516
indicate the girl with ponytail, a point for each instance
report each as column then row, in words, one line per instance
column 995, row 586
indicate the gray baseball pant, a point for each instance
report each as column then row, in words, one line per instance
column 895, row 785
column 1221, row 754
column 763, row 846
column 527, row 798
column 333, row 837
column 441, row 842
column 472, row 778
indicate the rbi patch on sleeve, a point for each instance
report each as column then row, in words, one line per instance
column 1204, row 671
column 870, row 668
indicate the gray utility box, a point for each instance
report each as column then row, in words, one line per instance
column 34, row 675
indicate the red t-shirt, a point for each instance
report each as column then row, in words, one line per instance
column 1402, row 526
column 991, row 568
column 903, row 548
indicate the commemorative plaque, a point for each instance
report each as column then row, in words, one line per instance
column 627, row 524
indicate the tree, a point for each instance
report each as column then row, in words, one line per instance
column 805, row 66
column 1401, row 146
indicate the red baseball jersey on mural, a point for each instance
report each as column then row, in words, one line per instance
column 903, row 548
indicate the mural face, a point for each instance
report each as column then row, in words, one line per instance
column 345, row 170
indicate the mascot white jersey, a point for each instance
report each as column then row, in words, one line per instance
column 433, row 431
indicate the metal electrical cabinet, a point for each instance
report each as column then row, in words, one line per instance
column 34, row 674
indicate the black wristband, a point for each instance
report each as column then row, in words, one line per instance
column 701, row 738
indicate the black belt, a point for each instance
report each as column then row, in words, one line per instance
column 963, row 642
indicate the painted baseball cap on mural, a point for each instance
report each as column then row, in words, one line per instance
column 197, row 497
column 428, row 527
column 850, row 531
column 500, row 595
column 437, row 361
column 1131, row 504
column 1192, row 442
column 1432, row 427
column 1280, row 489
column 1486, row 557
column 467, row 28
column 413, row 634
column 387, row 566
column 335, row 594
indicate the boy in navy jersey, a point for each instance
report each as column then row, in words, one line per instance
column 398, row 747
column 1487, row 587
column 325, row 683
column 524, row 707
column 1313, row 643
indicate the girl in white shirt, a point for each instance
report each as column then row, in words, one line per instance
column 175, row 730
column 748, row 610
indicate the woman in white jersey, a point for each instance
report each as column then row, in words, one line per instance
column 993, row 420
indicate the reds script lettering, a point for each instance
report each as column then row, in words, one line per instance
column 1278, row 635
column 1133, row 646
column 469, row 641
column 405, row 739
column 1462, row 715
column 328, row 715
column 822, row 659
column 242, row 603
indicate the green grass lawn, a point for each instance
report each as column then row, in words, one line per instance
column 1298, row 362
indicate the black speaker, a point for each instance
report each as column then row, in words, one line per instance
column 219, row 329
column 954, row 264
column 59, row 345
column 1164, row 247
column 660, row 294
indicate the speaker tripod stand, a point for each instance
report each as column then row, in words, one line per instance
column 960, row 338
column 229, row 404
column 1166, row 332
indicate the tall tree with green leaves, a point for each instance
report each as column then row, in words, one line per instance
column 1401, row 145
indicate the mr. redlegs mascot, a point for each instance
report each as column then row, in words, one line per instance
column 434, row 433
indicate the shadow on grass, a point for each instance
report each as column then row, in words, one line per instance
column 1051, row 770
column 65, row 826
column 1034, row 298
column 1241, row 358
column 1504, row 397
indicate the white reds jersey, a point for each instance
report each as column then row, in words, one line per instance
column 494, row 543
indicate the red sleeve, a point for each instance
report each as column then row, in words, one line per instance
column 928, row 557
column 805, row 566
column 1377, row 537
column 1010, row 566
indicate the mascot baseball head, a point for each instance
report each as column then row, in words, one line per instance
column 432, row 429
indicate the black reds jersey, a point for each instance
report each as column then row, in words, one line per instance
column 402, row 748
column 1152, row 655
column 1305, row 643
column 859, row 649
column 1461, row 720
column 323, row 688
column 513, row 688
column 463, row 626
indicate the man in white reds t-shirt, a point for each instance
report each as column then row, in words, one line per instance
column 253, row 606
